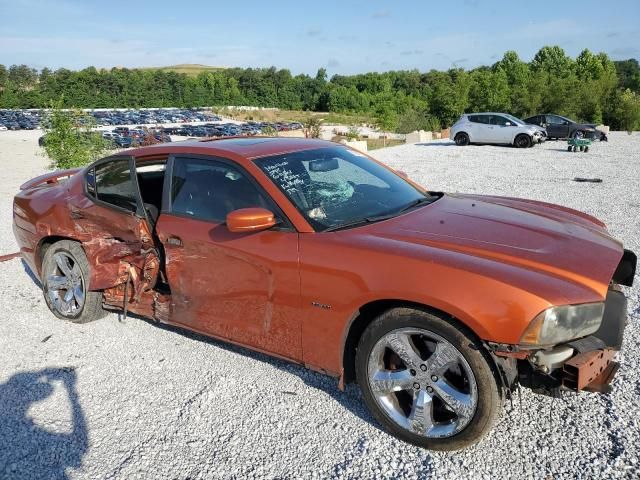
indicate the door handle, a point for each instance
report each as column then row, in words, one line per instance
column 174, row 241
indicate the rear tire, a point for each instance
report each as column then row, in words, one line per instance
column 440, row 392
column 462, row 139
column 65, row 282
column 522, row 141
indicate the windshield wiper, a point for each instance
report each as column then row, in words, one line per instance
column 355, row 223
column 378, row 218
column 415, row 203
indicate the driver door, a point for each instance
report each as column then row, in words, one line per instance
column 243, row 287
column 557, row 127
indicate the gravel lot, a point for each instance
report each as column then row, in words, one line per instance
column 127, row 399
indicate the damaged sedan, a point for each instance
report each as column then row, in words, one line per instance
column 438, row 305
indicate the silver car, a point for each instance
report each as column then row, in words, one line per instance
column 495, row 128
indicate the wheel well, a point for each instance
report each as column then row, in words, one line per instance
column 44, row 245
column 368, row 313
column 461, row 133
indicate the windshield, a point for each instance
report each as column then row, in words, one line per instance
column 334, row 187
column 516, row 120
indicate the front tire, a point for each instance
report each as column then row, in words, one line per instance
column 427, row 381
column 462, row 139
column 65, row 281
column 522, row 141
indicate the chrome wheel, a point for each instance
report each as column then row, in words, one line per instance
column 65, row 286
column 422, row 382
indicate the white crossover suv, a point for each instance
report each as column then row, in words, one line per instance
column 495, row 128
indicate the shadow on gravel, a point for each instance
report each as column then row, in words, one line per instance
column 32, row 276
column 27, row 450
column 436, row 144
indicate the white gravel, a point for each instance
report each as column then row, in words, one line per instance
column 160, row 403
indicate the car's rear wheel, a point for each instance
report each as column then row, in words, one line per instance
column 522, row 141
column 65, row 281
column 462, row 139
column 426, row 381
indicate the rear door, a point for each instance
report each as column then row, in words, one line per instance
column 111, row 222
column 478, row 128
column 244, row 287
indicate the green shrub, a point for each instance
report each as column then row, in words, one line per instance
column 70, row 140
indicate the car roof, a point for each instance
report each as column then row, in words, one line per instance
column 246, row 147
column 487, row 113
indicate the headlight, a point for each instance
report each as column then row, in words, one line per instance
column 561, row 324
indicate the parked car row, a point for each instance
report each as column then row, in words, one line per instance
column 31, row 119
column 505, row 129
column 231, row 129
column 130, row 117
column 18, row 120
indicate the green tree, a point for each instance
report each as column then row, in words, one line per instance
column 312, row 127
column 70, row 140
column 628, row 110
column 386, row 120
column 552, row 60
column 4, row 75
column 489, row 91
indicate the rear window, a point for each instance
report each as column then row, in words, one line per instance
column 479, row 118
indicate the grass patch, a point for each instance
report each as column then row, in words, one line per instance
column 273, row 115
column 191, row 69
column 372, row 143
column 375, row 143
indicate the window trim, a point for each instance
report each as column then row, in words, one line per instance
column 139, row 208
column 285, row 224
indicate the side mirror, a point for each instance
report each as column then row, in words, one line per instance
column 508, row 124
column 250, row 220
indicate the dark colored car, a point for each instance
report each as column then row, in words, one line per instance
column 562, row 127
column 439, row 305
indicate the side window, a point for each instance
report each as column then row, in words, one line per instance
column 113, row 184
column 553, row 120
column 498, row 120
column 209, row 190
column 91, row 182
column 479, row 118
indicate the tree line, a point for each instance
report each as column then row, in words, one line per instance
column 590, row 88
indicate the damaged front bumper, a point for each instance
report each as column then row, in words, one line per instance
column 591, row 371
column 587, row 364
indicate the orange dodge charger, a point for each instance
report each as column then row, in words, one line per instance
column 438, row 305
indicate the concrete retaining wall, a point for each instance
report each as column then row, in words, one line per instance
column 360, row 145
column 418, row 136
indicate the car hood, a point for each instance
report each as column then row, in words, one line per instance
column 534, row 235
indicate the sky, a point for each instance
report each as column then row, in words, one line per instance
column 345, row 37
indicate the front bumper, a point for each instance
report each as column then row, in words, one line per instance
column 586, row 364
column 591, row 371
column 540, row 137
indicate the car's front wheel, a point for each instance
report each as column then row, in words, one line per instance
column 426, row 381
column 65, row 281
column 522, row 141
